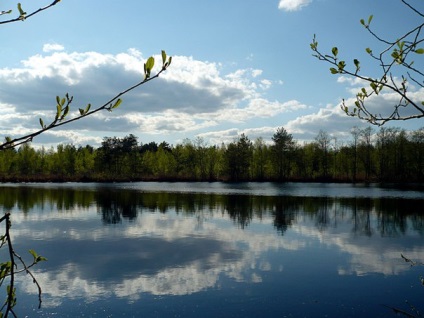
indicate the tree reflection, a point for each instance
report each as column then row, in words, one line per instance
column 285, row 212
column 367, row 216
column 113, row 204
column 239, row 208
column 361, row 212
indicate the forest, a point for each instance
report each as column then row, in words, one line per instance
column 384, row 155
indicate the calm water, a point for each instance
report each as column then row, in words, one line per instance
column 218, row 250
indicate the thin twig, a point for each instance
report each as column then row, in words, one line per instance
column 31, row 14
column 12, row 272
column 12, row 143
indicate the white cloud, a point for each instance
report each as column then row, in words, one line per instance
column 50, row 47
column 230, row 135
column 293, row 5
column 334, row 121
column 221, row 256
column 330, row 119
column 192, row 95
column 221, row 249
column 192, row 98
column 256, row 73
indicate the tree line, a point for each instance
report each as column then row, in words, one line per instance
column 387, row 155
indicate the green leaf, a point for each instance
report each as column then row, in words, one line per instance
column 150, row 63
column 41, row 123
column 87, row 108
column 81, row 111
column 33, row 253
column 58, row 110
column 58, row 100
column 357, row 65
column 334, row 70
column 117, row 103
column 65, row 112
column 21, row 12
column 370, row 19
column 62, row 102
column 5, row 269
column 170, row 60
column 362, row 21
column 419, row 51
column 163, row 57
column 40, row 259
column 395, row 54
column 335, row 51
column 368, row 50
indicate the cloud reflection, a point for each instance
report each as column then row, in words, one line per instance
column 182, row 250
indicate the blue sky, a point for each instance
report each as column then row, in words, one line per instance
column 238, row 67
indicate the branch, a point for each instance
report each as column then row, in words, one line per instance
column 412, row 8
column 23, row 16
column 109, row 105
column 11, row 299
column 397, row 53
column 10, row 269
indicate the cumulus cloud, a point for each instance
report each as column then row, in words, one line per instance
column 192, row 95
column 330, row 119
column 293, row 5
column 192, row 98
column 230, row 135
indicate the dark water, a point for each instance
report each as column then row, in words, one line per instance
column 218, row 250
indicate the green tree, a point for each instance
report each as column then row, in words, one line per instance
column 7, row 161
column 238, row 157
column 202, row 158
column 26, row 160
column 391, row 153
column 260, row 159
column 282, row 151
column 398, row 72
column 417, row 152
column 85, row 162
column 165, row 163
column 186, row 160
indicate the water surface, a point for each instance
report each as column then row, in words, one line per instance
column 218, row 250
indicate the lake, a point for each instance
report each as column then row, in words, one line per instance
column 218, row 250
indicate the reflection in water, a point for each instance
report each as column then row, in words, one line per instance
column 115, row 204
column 124, row 246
